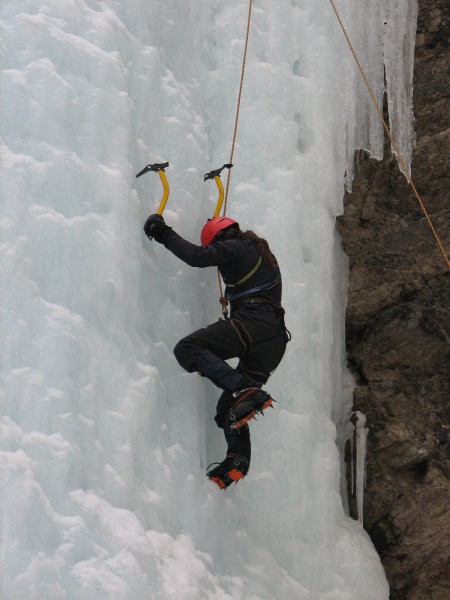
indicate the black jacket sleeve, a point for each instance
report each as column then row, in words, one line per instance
column 214, row 255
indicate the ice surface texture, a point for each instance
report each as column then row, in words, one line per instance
column 105, row 441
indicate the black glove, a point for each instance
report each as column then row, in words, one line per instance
column 155, row 227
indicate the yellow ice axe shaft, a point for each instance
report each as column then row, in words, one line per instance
column 162, row 204
column 159, row 168
column 216, row 176
column 220, row 198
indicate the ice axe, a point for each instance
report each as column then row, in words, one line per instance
column 159, row 168
column 216, row 176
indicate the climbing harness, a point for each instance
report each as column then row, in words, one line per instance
column 259, row 288
column 391, row 138
column 160, row 169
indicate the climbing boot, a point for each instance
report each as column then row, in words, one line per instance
column 248, row 403
column 229, row 471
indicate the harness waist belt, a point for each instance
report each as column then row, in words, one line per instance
column 259, row 288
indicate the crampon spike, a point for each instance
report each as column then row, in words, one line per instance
column 232, row 476
column 252, row 414
column 218, row 481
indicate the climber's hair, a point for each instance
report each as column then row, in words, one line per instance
column 234, row 231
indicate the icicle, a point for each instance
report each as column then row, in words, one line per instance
column 400, row 18
column 352, row 466
column 361, row 445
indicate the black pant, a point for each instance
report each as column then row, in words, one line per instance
column 257, row 335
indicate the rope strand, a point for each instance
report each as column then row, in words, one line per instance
column 238, row 102
column 223, row 300
column 391, row 138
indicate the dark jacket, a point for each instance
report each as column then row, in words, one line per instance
column 235, row 258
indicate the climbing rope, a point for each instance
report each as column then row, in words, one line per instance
column 223, row 300
column 391, row 138
column 249, row 18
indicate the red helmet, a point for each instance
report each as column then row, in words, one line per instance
column 212, row 228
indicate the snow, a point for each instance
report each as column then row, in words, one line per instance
column 104, row 439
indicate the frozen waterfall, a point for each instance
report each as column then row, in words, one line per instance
column 104, row 439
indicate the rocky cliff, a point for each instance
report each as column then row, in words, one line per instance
column 398, row 331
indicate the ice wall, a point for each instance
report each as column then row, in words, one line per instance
column 104, row 439
column 400, row 21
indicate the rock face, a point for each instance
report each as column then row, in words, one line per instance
column 398, row 332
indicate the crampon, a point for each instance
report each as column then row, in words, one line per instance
column 249, row 403
column 229, row 471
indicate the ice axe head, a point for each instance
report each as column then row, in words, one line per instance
column 155, row 167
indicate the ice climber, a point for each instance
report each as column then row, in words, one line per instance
column 255, row 331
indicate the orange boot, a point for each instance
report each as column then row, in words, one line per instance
column 229, row 471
